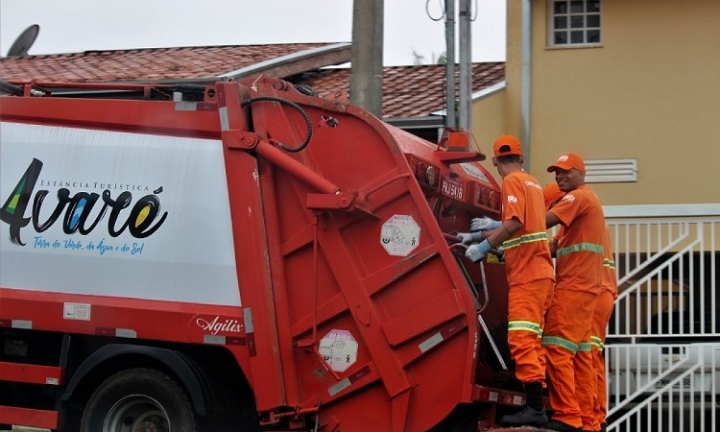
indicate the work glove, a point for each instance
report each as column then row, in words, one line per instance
column 476, row 252
column 500, row 252
column 484, row 224
column 469, row 237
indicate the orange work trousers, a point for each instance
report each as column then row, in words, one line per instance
column 601, row 318
column 586, row 376
column 527, row 304
column 567, row 326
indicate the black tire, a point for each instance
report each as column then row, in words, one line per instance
column 137, row 400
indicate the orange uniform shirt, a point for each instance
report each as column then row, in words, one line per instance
column 580, row 252
column 527, row 253
column 609, row 276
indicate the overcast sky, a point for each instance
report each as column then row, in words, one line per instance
column 68, row 26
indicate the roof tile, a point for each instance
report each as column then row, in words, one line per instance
column 135, row 64
column 408, row 91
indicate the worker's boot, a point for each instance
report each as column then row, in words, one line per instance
column 533, row 414
column 561, row 427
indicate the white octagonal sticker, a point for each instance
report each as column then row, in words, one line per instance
column 400, row 235
column 339, row 350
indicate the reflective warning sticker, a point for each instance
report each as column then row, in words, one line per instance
column 339, row 349
column 400, row 235
column 76, row 311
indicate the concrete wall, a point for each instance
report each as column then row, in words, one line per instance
column 488, row 120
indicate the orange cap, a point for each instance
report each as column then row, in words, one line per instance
column 552, row 194
column 568, row 161
column 507, row 145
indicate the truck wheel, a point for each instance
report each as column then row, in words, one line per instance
column 138, row 400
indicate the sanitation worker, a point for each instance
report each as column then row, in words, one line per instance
column 552, row 195
column 593, row 416
column 579, row 263
column 598, row 332
column 529, row 268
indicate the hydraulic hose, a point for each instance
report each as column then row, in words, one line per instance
column 302, row 112
column 6, row 87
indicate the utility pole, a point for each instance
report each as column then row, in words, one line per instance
column 367, row 56
column 465, row 65
column 450, row 120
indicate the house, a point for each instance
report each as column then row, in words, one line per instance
column 414, row 96
column 633, row 86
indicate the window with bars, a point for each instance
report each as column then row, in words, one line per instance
column 574, row 23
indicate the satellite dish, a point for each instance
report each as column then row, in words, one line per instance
column 23, row 43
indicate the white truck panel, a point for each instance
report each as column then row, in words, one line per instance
column 177, row 244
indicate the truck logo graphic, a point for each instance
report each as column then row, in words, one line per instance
column 74, row 210
column 216, row 325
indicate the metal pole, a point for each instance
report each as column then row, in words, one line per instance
column 367, row 56
column 450, row 119
column 525, row 74
column 465, row 65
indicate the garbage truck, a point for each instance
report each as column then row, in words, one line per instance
column 240, row 256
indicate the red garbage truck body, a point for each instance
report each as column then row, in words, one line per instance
column 239, row 257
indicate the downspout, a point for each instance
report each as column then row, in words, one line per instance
column 525, row 79
column 465, row 112
column 451, row 110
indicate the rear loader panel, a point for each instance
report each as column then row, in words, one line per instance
column 376, row 324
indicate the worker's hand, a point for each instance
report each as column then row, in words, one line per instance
column 484, row 224
column 476, row 252
column 466, row 238
column 500, row 253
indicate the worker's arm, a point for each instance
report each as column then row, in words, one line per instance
column 493, row 239
column 505, row 231
column 551, row 220
column 553, row 246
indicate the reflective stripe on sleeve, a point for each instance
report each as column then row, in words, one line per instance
column 525, row 238
column 580, row 247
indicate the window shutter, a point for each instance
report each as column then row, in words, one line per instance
column 610, row 170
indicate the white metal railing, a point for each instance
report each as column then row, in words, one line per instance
column 667, row 273
column 669, row 387
column 663, row 349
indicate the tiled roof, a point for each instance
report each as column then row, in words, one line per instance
column 408, row 91
column 144, row 64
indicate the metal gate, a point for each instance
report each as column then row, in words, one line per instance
column 663, row 349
